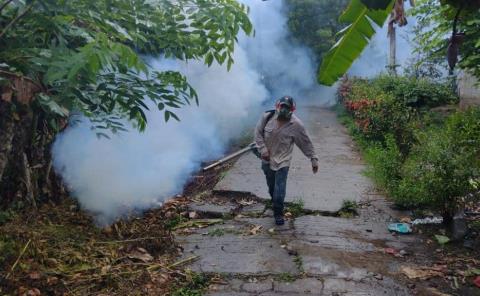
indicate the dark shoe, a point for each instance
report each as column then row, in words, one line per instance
column 279, row 220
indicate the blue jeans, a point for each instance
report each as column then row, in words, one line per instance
column 277, row 186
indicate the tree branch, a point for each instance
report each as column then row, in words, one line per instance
column 5, row 4
column 17, row 18
column 8, row 73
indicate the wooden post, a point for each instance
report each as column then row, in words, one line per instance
column 393, row 51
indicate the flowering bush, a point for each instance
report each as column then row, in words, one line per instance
column 419, row 160
column 377, row 113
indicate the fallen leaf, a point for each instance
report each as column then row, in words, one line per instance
column 52, row 280
column 255, row 229
column 198, row 223
column 245, row 202
column 422, row 273
column 145, row 257
column 105, row 269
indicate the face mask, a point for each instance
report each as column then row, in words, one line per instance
column 284, row 112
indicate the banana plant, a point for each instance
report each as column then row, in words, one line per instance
column 360, row 16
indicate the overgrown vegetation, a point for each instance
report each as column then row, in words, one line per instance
column 58, row 250
column 422, row 159
column 434, row 28
column 94, row 58
column 445, row 28
column 194, row 285
column 314, row 23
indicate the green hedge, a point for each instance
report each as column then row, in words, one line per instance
column 420, row 161
column 417, row 92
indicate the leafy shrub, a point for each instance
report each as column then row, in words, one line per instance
column 416, row 92
column 391, row 117
column 421, row 159
column 378, row 113
column 438, row 171
column 385, row 164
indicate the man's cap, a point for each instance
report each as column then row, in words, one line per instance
column 286, row 100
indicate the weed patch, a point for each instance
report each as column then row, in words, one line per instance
column 296, row 208
column 286, row 277
column 349, row 209
column 194, row 286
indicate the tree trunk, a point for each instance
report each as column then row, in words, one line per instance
column 6, row 134
column 25, row 161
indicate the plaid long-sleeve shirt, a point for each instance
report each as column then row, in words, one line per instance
column 278, row 140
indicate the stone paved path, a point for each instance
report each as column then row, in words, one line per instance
column 338, row 179
column 311, row 254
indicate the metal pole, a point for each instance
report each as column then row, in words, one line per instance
column 231, row 156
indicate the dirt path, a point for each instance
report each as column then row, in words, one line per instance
column 312, row 254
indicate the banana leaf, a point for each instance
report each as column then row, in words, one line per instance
column 354, row 38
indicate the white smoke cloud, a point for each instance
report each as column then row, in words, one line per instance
column 286, row 67
column 134, row 170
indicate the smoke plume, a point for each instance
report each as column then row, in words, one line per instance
column 136, row 171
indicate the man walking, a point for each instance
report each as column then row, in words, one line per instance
column 275, row 135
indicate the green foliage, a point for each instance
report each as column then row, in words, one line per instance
column 391, row 105
column 194, row 286
column 314, row 23
column 354, row 38
column 92, row 56
column 384, row 163
column 435, row 24
column 417, row 92
column 349, row 209
column 8, row 249
column 298, row 262
column 439, row 168
column 420, row 159
column 296, row 208
column 175, row 221
column 434, row 29
column 378, row 113
column 6, row 216
column 286, row 277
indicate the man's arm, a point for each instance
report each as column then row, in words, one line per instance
column 259, row 135
column 302, row 140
